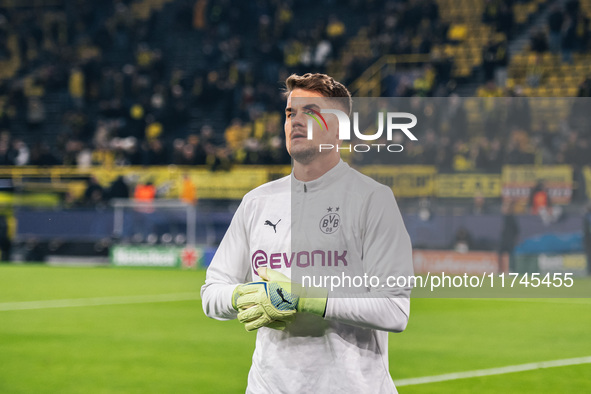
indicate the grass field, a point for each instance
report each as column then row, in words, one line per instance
column 143, row 331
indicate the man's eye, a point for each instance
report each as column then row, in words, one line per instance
column 290, row 115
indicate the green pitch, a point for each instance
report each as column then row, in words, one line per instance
column 134, row 344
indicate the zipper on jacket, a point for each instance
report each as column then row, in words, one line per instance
column 305, row 188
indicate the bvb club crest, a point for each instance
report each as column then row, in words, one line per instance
column 331, row 221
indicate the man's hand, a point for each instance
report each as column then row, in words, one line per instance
column 265, row 304
column 274, row 302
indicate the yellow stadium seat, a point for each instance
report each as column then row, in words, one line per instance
column 545, row 91
column 552, row 80
column 556, row 91
column 572, row 92
column 532, row 58
column 520, row 58
column 570, row 80
column 528, row 91
column 520, row 15
column 457, row 32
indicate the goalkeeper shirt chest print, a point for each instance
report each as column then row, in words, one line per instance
column 341, row 224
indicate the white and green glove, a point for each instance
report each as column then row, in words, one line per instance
column 274, row 302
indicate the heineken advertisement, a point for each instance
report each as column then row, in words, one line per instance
column 548, row 263
column 156, row 256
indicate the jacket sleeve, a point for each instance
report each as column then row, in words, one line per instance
column 387, row 253
column 229, row 268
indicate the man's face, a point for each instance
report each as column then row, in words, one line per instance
column 300, row 148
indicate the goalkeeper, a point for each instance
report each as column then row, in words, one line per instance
column 324, row 216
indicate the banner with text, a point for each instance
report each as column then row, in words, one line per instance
column 405, row 181
column 552, row 263
column 156, row 256
column 468, row 185
column 519, row 181
column 231, row 185
column 455, row 263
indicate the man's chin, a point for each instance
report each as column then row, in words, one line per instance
column 304, row 155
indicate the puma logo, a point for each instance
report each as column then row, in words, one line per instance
column 280, row 292
column 268, row 223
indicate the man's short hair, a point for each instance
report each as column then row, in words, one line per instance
column 321, row 83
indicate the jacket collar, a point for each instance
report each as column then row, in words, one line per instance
column 326, row 179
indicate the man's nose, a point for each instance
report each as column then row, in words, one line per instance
column 299, row 120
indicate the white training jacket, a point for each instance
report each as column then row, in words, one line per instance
column 343, row 224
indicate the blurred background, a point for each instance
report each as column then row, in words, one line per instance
column 131, row 129
column 179, row 104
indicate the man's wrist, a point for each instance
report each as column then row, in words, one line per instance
column 313, row 300
column 235, row 295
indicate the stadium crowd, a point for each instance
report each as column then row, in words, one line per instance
column 123, row 99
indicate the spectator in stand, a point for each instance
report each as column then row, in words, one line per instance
column 462, row 240
column 490, row 89
column 156, row 154
column 572, row 8
column 221, row 159
column 569, row 39
column 35, row 114
column 335, row 31
column 491, row 11
column 478, row 202
column 509, row 235
column 94, row 195
column 542, row 205
column 518, row 113
column 196, row 149
column 502, row 57
column 494, row 156
column 235, row 134
column 455, row 117
column 5, row 153
column 178, row 157
column 21, row 152
column 143, row 221
column 535, row 72
column 188, row 192
column 119, row 188
column 136, row 93
column 555, row 25
column 76, row 87
column 41, row 155
column 505, row 20
column 539, row 42
column 145, row 193
column 489, row 60
column 582, row 30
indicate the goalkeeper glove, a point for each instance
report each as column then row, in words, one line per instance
column 273, row 303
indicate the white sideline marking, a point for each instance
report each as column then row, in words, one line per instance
column 76, row 302
column 493, row 371
column 577, row 301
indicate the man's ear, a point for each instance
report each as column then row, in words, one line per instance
column 336, row 136
column 339, row 141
